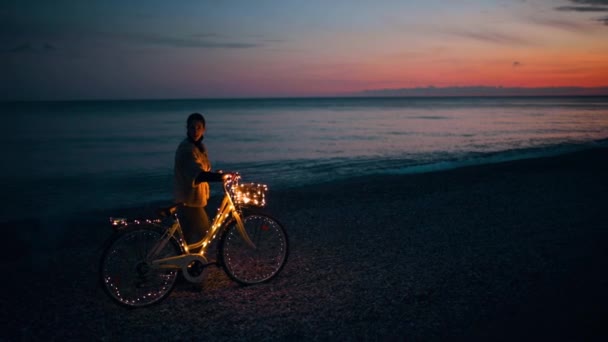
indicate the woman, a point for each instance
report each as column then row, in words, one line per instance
column 192, row 172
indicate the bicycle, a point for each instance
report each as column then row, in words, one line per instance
column 141, row 262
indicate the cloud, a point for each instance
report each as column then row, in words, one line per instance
column 591, row 2
column 494, row 37
column 567, row 25
column 485, row 91
column 207, row 35
column 582, row 8
column 194, row 41
column 591, row 6
column 32, row 48
column 72, row 42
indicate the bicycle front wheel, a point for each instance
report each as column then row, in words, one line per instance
column 251, row 265
column 126, row 274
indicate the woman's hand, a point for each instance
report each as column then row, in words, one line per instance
column 228, row 176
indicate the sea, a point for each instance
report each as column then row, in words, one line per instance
column 75, row 157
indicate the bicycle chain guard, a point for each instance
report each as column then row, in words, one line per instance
column 193, row 259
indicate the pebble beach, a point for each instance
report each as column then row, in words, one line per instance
column 508, row 251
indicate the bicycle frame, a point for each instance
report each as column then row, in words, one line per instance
column 142, row 260
column 226, row 210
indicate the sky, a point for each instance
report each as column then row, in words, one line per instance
column 127, row 49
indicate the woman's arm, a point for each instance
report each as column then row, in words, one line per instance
column 204, row 176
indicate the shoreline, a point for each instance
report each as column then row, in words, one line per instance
column 505, row 251
column 484, row 160
column 67, row 198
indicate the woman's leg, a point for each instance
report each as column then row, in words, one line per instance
column 194, row 222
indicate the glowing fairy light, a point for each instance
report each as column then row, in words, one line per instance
column 250, row 194
column 119, row 223
column 157, row 267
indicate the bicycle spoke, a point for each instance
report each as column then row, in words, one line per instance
column 127, row 277
column 248, row 265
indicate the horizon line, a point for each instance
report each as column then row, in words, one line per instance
column 414, row 92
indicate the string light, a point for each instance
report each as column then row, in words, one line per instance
column 119, row 223
column 250, row 194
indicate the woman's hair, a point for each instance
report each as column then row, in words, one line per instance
column 195, row 117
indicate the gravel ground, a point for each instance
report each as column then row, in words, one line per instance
column 510, row 251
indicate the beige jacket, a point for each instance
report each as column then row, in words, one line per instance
column 189, row 162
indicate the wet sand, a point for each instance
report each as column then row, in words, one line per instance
column 508, row 251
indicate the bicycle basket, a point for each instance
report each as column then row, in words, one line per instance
column 249, row 194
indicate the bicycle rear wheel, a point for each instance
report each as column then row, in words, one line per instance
column 248, row 265
column 126, row 275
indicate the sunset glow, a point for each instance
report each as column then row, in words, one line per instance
column 207, row 49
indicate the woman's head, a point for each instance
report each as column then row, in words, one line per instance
column 195, row 126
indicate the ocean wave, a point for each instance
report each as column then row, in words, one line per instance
column 295, row 173
column 64, row 195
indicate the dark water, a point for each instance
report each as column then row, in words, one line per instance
column 69, row 157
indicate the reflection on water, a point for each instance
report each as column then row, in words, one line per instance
column 105, row 154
